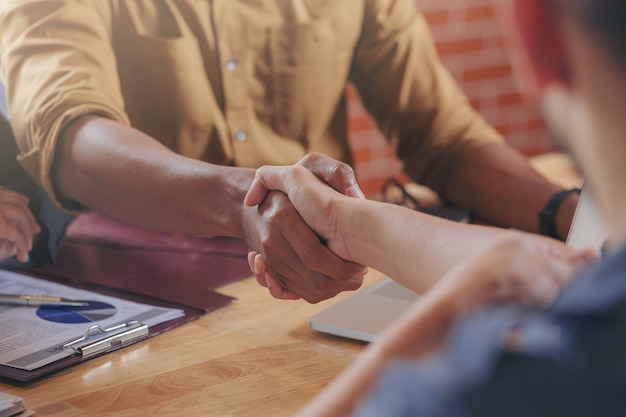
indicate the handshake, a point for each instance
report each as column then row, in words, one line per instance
column 478, row 264
column 316, row 188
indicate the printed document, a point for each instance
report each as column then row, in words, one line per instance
column 31, row 337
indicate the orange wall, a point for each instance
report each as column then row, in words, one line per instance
column 471, row 43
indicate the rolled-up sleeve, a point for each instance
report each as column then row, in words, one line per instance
column 416, row 103
column 57, row 64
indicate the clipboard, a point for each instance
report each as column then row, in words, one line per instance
column 168, row 270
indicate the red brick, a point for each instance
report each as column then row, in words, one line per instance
column 357, row 124
column 490, row 85
column 351, row 93
column 459, row 46
column 504, row 130
column 371, row 186
column 487, row 73
column 511, row 99
column 362, row 155
column 438, row 17
column 485, row 12
column 536, row 124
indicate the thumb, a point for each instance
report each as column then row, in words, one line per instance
column 259, row 188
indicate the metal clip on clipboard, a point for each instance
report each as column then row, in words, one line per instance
column 133, row 330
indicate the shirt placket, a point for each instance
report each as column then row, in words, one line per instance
column 230, row 33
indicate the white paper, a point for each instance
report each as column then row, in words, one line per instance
column 30, row 336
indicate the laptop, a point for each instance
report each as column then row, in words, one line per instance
column 364, row 314
column 588, row 229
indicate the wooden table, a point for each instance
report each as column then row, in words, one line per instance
column 256, row 357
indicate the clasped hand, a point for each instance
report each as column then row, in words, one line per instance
column 288, row 256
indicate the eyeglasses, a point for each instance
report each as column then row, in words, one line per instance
column 394, row 192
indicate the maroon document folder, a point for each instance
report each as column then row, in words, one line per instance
column 169, row 270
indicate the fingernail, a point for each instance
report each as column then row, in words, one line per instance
column 268, row 280
column 251, row 262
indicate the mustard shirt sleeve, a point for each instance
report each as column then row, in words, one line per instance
column 414, row 100
column 57, row 63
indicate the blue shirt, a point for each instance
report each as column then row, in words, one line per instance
column 512, row 360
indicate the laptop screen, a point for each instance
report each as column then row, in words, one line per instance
column 588, row 228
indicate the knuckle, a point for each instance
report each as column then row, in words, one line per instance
column 298, row 171
column 327, row 289
column 308, row 159
column 343, row 170
column 261, row 171
column 341, row 175
column 316, row 156
column 319, row 288
column 278, row 210
column 268, row 242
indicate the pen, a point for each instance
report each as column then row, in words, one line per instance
column 39, row 300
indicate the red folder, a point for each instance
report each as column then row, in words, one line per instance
column 170, row 270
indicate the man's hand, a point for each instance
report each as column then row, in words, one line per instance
column 317, row 204
column 17, row 225
column 288, row 257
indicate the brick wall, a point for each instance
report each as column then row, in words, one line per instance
column 471, row 43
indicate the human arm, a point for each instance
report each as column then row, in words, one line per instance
column 69, row 100
column 442, row 141
column 480, row 265
column 17, row 225
column 131, row 177
column 517, row 269
column 500, row 187
column 366, row 232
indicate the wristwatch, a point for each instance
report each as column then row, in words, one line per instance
column 547, row 216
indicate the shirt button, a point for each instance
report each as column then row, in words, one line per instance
column 241, row 136
column 231, row 64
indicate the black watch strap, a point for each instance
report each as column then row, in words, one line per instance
column 547, row 216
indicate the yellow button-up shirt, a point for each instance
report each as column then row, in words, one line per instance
column 234, row 82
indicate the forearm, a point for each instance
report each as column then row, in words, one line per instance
column 499, row 186
column 413, row 248
column 129, row 176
